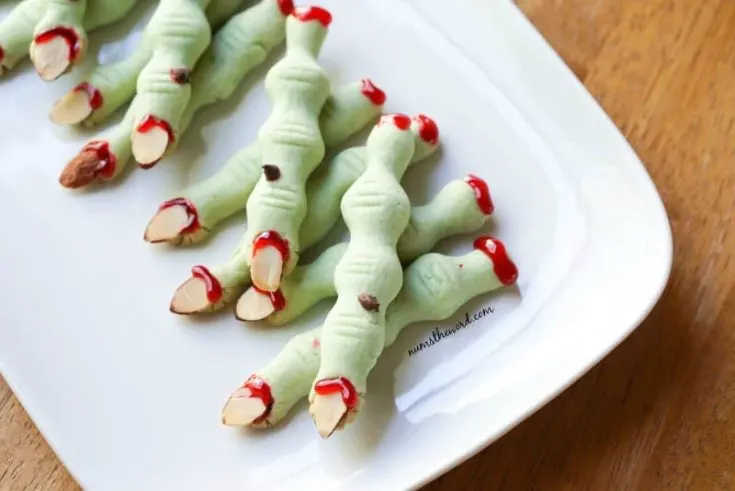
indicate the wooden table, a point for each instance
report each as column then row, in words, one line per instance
column 659, row 412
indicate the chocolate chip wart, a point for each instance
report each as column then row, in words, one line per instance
column 368, row 302
column 180, row 75
column 272, row 172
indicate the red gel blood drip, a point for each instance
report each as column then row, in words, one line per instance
column 428, row 130
column 341, row 385
column 504, row 267
column 71, row 38
column 2, row 54
column 259, row 388
column 214, row 289
column 94, row 95
column 286, row 6
column 307, row 14
column 400, row 121
column 273, row 239
column 482, row 193
column 276, row 297
column 149, row 123
column 315, row 344
column 108, row 162
column 191, row 212
column 372, row 92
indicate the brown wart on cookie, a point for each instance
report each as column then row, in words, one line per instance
column 181, row 75
column 369, row 302
column 271, row 172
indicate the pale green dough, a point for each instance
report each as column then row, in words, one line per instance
column 30, row 16
column 324, row 192
column 16, row 31
column 239, row 46
column 434, row 288
column 223, row 73
column 453, row 211
column 100, row 13
column 345, row 112
column 117, row 81
column 179, row 32
column 291, row 137
column 220, row 11
column 376, row 211
column 63, row 13
column 227, row 192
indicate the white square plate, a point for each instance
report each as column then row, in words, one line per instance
column 88, row 344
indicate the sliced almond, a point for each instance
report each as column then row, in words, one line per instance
column 51, row 58
column 150, row 146
column 241, row 409
column 253, row 305
column 190, row 297
column 167, row 224
column 266, row 268
column 73, row 108
column 329, row 412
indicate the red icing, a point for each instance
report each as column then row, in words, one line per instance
column 191, row 211
column 428, row 130
column 277, row 298
column 149, row 123
column 273, row 239
column 214, row 289
column 286, row 6
column 259, row 388
column 71, row 38
column 315, row 344
column 108, row 162
column 94, row 95
column 482, row 193
column 372, row 92
column 2, row 54
column 504, row 267
column 307, row 14
column 400, row 121
column 341, row 385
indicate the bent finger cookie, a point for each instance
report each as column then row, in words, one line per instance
column 191, row 214
column 209, row 289
column 376, row 211
column 241, row 44
column 219, row 75
column 323, row 193
column 180, row 33
column 25, row 21
column 434, row 288
column 291, row 146
column 455, row 210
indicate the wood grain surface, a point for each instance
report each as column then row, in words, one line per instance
column 659, row 412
